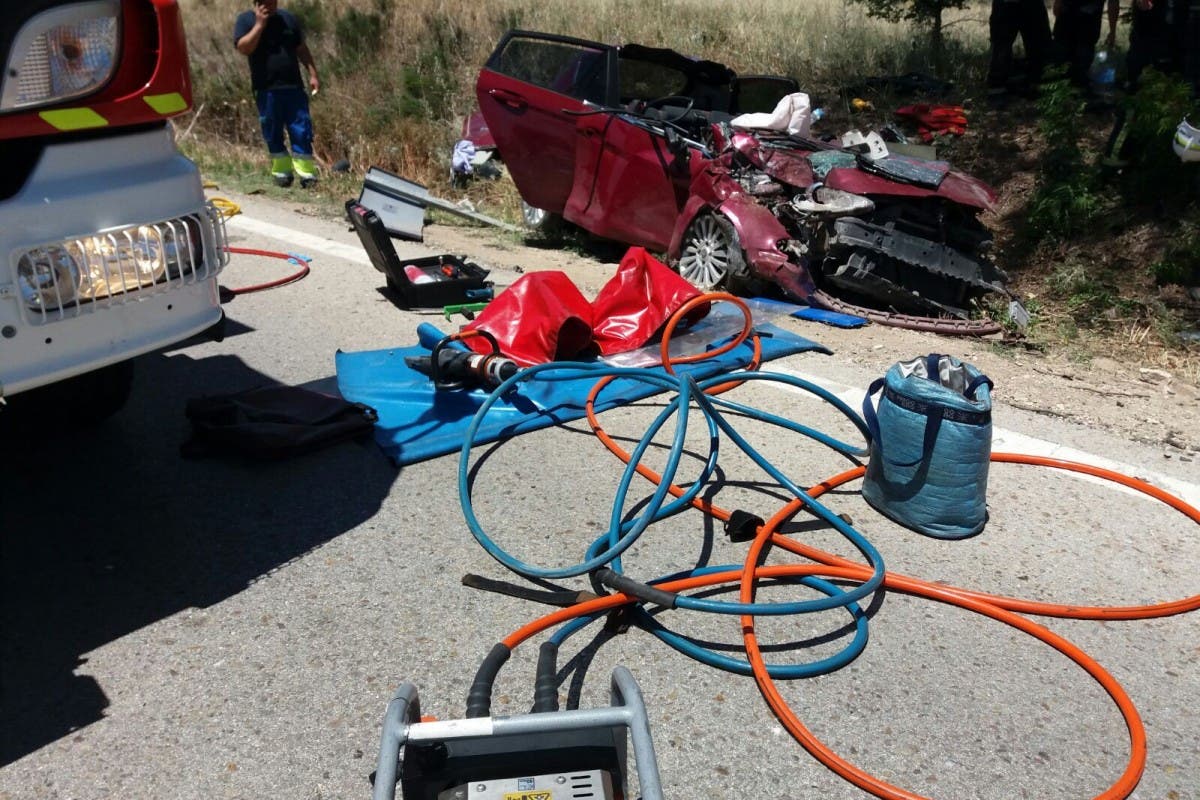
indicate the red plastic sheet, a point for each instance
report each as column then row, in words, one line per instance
column 541, row 317
column 544, row 317
column 637, row 301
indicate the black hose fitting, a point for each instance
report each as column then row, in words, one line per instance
column 742, row 526
column 636, row 589
column 545, row 686
column 479, row 698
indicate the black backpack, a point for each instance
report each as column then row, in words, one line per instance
column 272, row 422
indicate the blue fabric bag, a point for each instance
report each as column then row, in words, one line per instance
column 931, row 443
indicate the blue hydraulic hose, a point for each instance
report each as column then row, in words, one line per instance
column 738, row 666
column 873, row 557
column 622, row 533
column 682, row 403
column 792, row 425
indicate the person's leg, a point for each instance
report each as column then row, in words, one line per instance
column 1064, row 32
column 1087, row 33
column 300, row 132
column 1036, row 38
column 1003, row 25
column 272, row 131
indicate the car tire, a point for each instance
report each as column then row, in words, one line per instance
column 711, row 256
column 540, row 221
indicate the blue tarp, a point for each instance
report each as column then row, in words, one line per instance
column 417, row 422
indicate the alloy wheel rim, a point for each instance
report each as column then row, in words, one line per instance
column 704, row 261
column 533, row 216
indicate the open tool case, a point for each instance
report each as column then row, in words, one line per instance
column 429, row 282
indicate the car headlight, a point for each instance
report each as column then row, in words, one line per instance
column 66, row 52
column 48, row 278
column 94, row 267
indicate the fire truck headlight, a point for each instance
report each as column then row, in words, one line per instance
column 66, row 52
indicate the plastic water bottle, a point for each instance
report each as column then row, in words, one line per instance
column 1104, row 76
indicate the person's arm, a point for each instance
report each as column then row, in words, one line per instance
column 249, row 43
column 305, row 56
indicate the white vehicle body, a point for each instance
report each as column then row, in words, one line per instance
column 101, row 194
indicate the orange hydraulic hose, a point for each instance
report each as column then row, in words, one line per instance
column 1000, row 608
column 1066, row 611
column 1124, row 785
column 1042, row 609
column 258, row 287
column 1137, row 735
column 747, row 330
column 668, row 361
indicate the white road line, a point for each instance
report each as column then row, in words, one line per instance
column 304, row 243
column 1004, row 440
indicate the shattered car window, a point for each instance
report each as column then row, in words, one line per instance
column 642, row 80
column 559, row 66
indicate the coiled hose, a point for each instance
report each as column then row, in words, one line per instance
column 603, row 557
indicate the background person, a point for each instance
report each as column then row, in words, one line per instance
column 273, row 41
column 1029, row 20
column 1157, row 37
column 1077, row 26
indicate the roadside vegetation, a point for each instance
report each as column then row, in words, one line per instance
column 1103, row 255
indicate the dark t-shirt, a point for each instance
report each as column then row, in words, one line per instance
column 273, row 64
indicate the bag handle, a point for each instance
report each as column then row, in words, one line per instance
column 933, row 424
column 974, row 385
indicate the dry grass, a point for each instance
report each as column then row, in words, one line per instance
column 398, row 76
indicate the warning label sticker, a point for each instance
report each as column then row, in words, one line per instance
column 540, row 794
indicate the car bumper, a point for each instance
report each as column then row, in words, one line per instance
column 81, row 189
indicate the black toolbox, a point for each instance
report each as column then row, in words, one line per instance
column 429, row 282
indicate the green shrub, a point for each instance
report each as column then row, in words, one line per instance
column 1085, row 295
column 1154, row 174
column 1180, row 262
column 357, row 37
column 1067, row 198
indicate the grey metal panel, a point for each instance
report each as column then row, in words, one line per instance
column 399, row 203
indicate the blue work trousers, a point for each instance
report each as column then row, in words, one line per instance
column 285, row 109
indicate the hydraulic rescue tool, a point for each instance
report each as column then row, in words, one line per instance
column 454, row 368
column 545, row 755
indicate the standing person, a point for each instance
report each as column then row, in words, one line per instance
column 1077, row 26
column 1010, row 18
column 273, row 41
column 1156, row 37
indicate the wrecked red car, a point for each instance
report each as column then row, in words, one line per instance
column 635, row 144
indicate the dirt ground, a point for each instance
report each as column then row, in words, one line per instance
column 1141, row 394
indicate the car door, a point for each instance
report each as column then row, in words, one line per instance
column 527, row 92
column 639, row 184
column 636, row 183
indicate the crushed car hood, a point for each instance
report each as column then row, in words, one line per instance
column 791, row 166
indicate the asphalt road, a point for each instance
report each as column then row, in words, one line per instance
column 219, row 629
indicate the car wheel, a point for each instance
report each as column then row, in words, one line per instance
column 711, row 256
column 539, row 220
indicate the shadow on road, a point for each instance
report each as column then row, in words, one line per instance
column 106, row 530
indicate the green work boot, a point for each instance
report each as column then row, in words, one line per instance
column 306, row 169
column 281, row 170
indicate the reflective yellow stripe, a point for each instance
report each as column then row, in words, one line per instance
column 73, row 119
column 305, row 167
column 165, row 104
